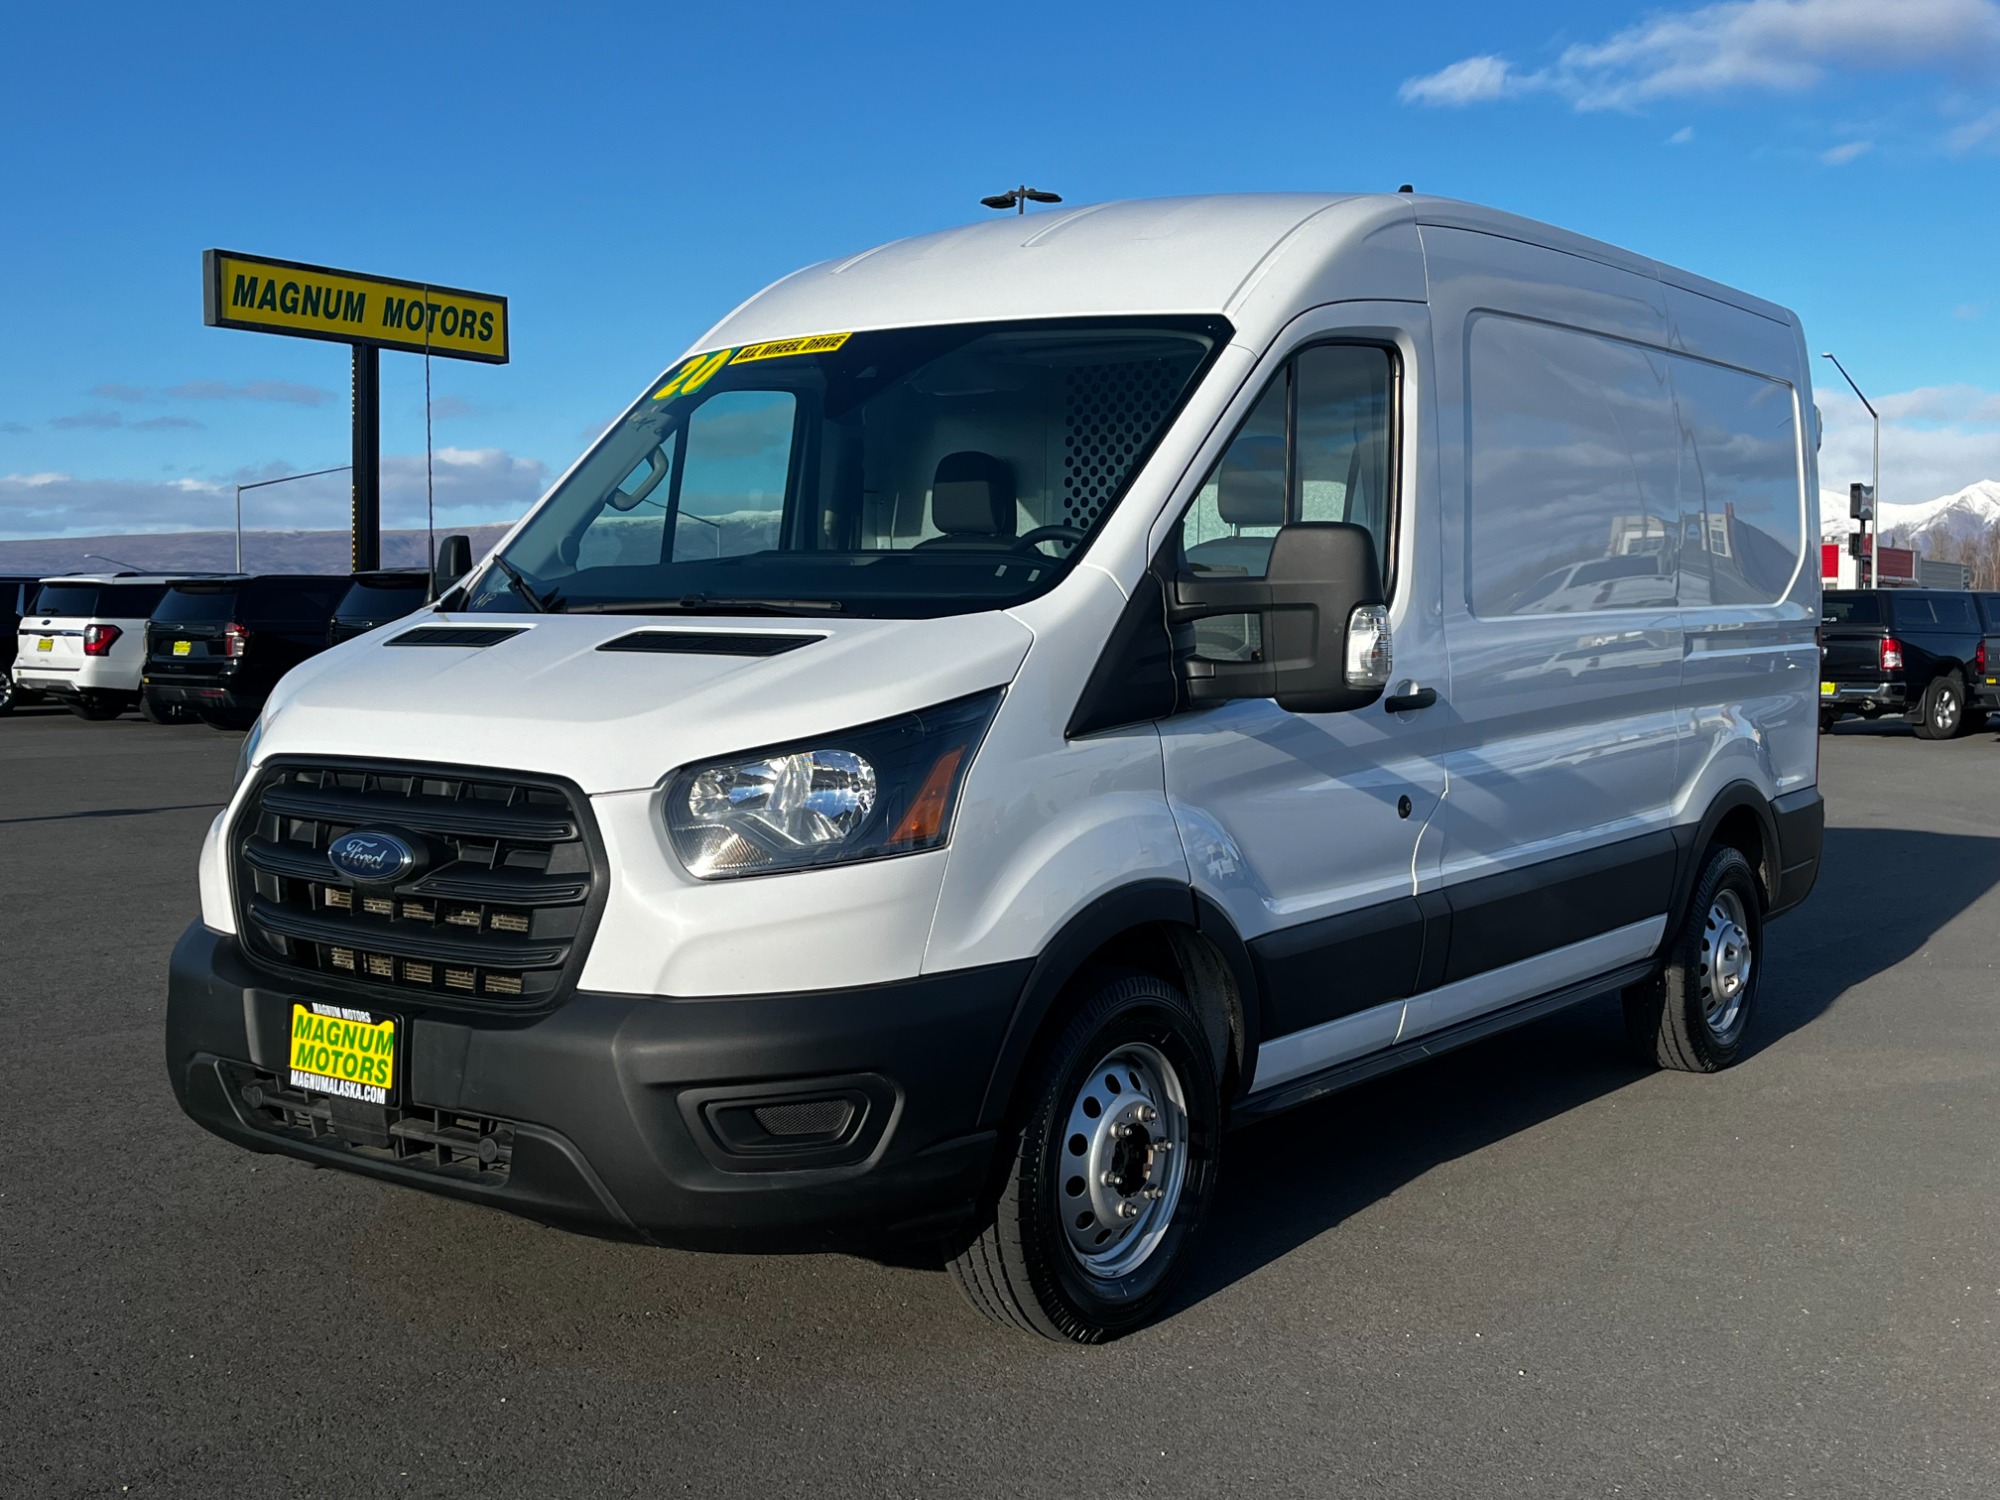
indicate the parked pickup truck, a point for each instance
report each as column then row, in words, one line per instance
column 1920, row 653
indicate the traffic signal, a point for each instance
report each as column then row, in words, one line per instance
column 1861, row 503
column 1856, row 547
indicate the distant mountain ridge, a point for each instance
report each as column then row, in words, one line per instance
column 1968, row 515
column 215, row 551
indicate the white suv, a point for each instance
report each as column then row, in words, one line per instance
column 83, row 640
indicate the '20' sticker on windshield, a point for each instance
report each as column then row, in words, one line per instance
column 697, row 372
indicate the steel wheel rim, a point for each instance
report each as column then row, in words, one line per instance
column 1727, row 965
column 1124, row 1160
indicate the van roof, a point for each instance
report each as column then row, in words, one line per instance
column 1255, row 258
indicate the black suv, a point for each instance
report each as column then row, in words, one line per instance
column 374, row 599
column 15, row 592
column 219, row 645
column 1915, row 652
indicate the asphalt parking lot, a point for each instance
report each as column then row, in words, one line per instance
column 1528, row 1270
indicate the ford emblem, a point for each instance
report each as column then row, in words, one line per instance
column 371, row 858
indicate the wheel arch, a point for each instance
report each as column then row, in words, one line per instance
column 1740, row 817
column 1159, row 927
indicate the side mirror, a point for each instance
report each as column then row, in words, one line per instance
column 454, row 561
column 1324, row 627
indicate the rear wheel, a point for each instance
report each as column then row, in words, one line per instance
column 1941, row 715
column 7, row 694
column 1109, row 1169
column 97, row 706
column 1827, row 720
column 1693, row 1014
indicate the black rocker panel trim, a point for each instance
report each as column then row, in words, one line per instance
column 1319, row 971
column 1341, row 965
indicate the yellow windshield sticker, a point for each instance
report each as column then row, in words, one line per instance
column 693, row 375
column 817, row 343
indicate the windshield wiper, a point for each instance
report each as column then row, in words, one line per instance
column 702, row 604
column 522, row 587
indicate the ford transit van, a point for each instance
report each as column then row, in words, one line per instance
column 1009, row 705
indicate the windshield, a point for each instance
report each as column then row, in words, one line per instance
column 910, row 472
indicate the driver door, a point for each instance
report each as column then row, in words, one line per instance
column 1313, row 831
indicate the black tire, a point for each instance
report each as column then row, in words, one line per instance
column 1693, row 1015
column 1941, row 714
column 7, row 693
column 1827, row 721
column 97, row 706
column 235, row 720
column 156, row 710
column 1022, row 1266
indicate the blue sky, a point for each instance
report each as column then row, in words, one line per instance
column 625, row 174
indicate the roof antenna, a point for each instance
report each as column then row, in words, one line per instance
column 1019, row 198
column 1406, row 188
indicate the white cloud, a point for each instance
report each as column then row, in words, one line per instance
column 1473, row 80
column 1975, row 135
column 1682, row 136
column 1768, row 45
column 1936, row 440
column 1847, row 151
column 472, row 485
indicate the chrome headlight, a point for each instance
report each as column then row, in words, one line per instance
column 870, row 793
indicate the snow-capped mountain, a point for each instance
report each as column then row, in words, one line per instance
column 1972, row 512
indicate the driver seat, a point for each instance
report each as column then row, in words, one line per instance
column 972, row 502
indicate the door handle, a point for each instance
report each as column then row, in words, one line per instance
column 1410, row 699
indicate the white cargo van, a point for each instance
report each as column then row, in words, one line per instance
column 83, row 640
column 1013, row 703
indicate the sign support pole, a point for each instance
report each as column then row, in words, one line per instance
column 367, row 458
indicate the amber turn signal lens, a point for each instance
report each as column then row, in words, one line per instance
column 923, row 822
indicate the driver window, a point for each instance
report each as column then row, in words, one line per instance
column 1316, row 447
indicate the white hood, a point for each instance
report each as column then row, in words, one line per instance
column 549, row 700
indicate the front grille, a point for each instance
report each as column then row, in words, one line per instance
column 495, row 918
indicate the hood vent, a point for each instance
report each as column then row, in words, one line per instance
column 455, row 635
column 709, row 643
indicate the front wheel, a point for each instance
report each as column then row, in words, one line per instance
column 1110, row 1167
column 1941, row 715
column 1693, row 1014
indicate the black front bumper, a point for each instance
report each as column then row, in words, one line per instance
column 612, row 1101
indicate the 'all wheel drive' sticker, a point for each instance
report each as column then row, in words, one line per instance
column 696, row 373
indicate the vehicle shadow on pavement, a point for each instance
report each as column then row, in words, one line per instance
column 1287, row 1180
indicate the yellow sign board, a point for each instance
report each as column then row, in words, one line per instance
column 315, row 302
column 345, row 1052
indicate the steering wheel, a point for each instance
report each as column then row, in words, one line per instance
column 1027, row 542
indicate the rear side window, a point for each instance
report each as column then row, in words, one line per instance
column 1851, row 609
column 70, row 599
column 187, row 605
column 1989, row 608
column 1914, row 612
column 1572, row 472
column 129, row 601
column 1954, row 612
column 1744, row 524
column 279, row 599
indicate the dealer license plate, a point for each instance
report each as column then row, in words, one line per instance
column 339, row 1050
column 46, row 643
column 182, row 648
column 1827, row 690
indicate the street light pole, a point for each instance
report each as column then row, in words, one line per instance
column 1874, row 554
column 263, row 483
